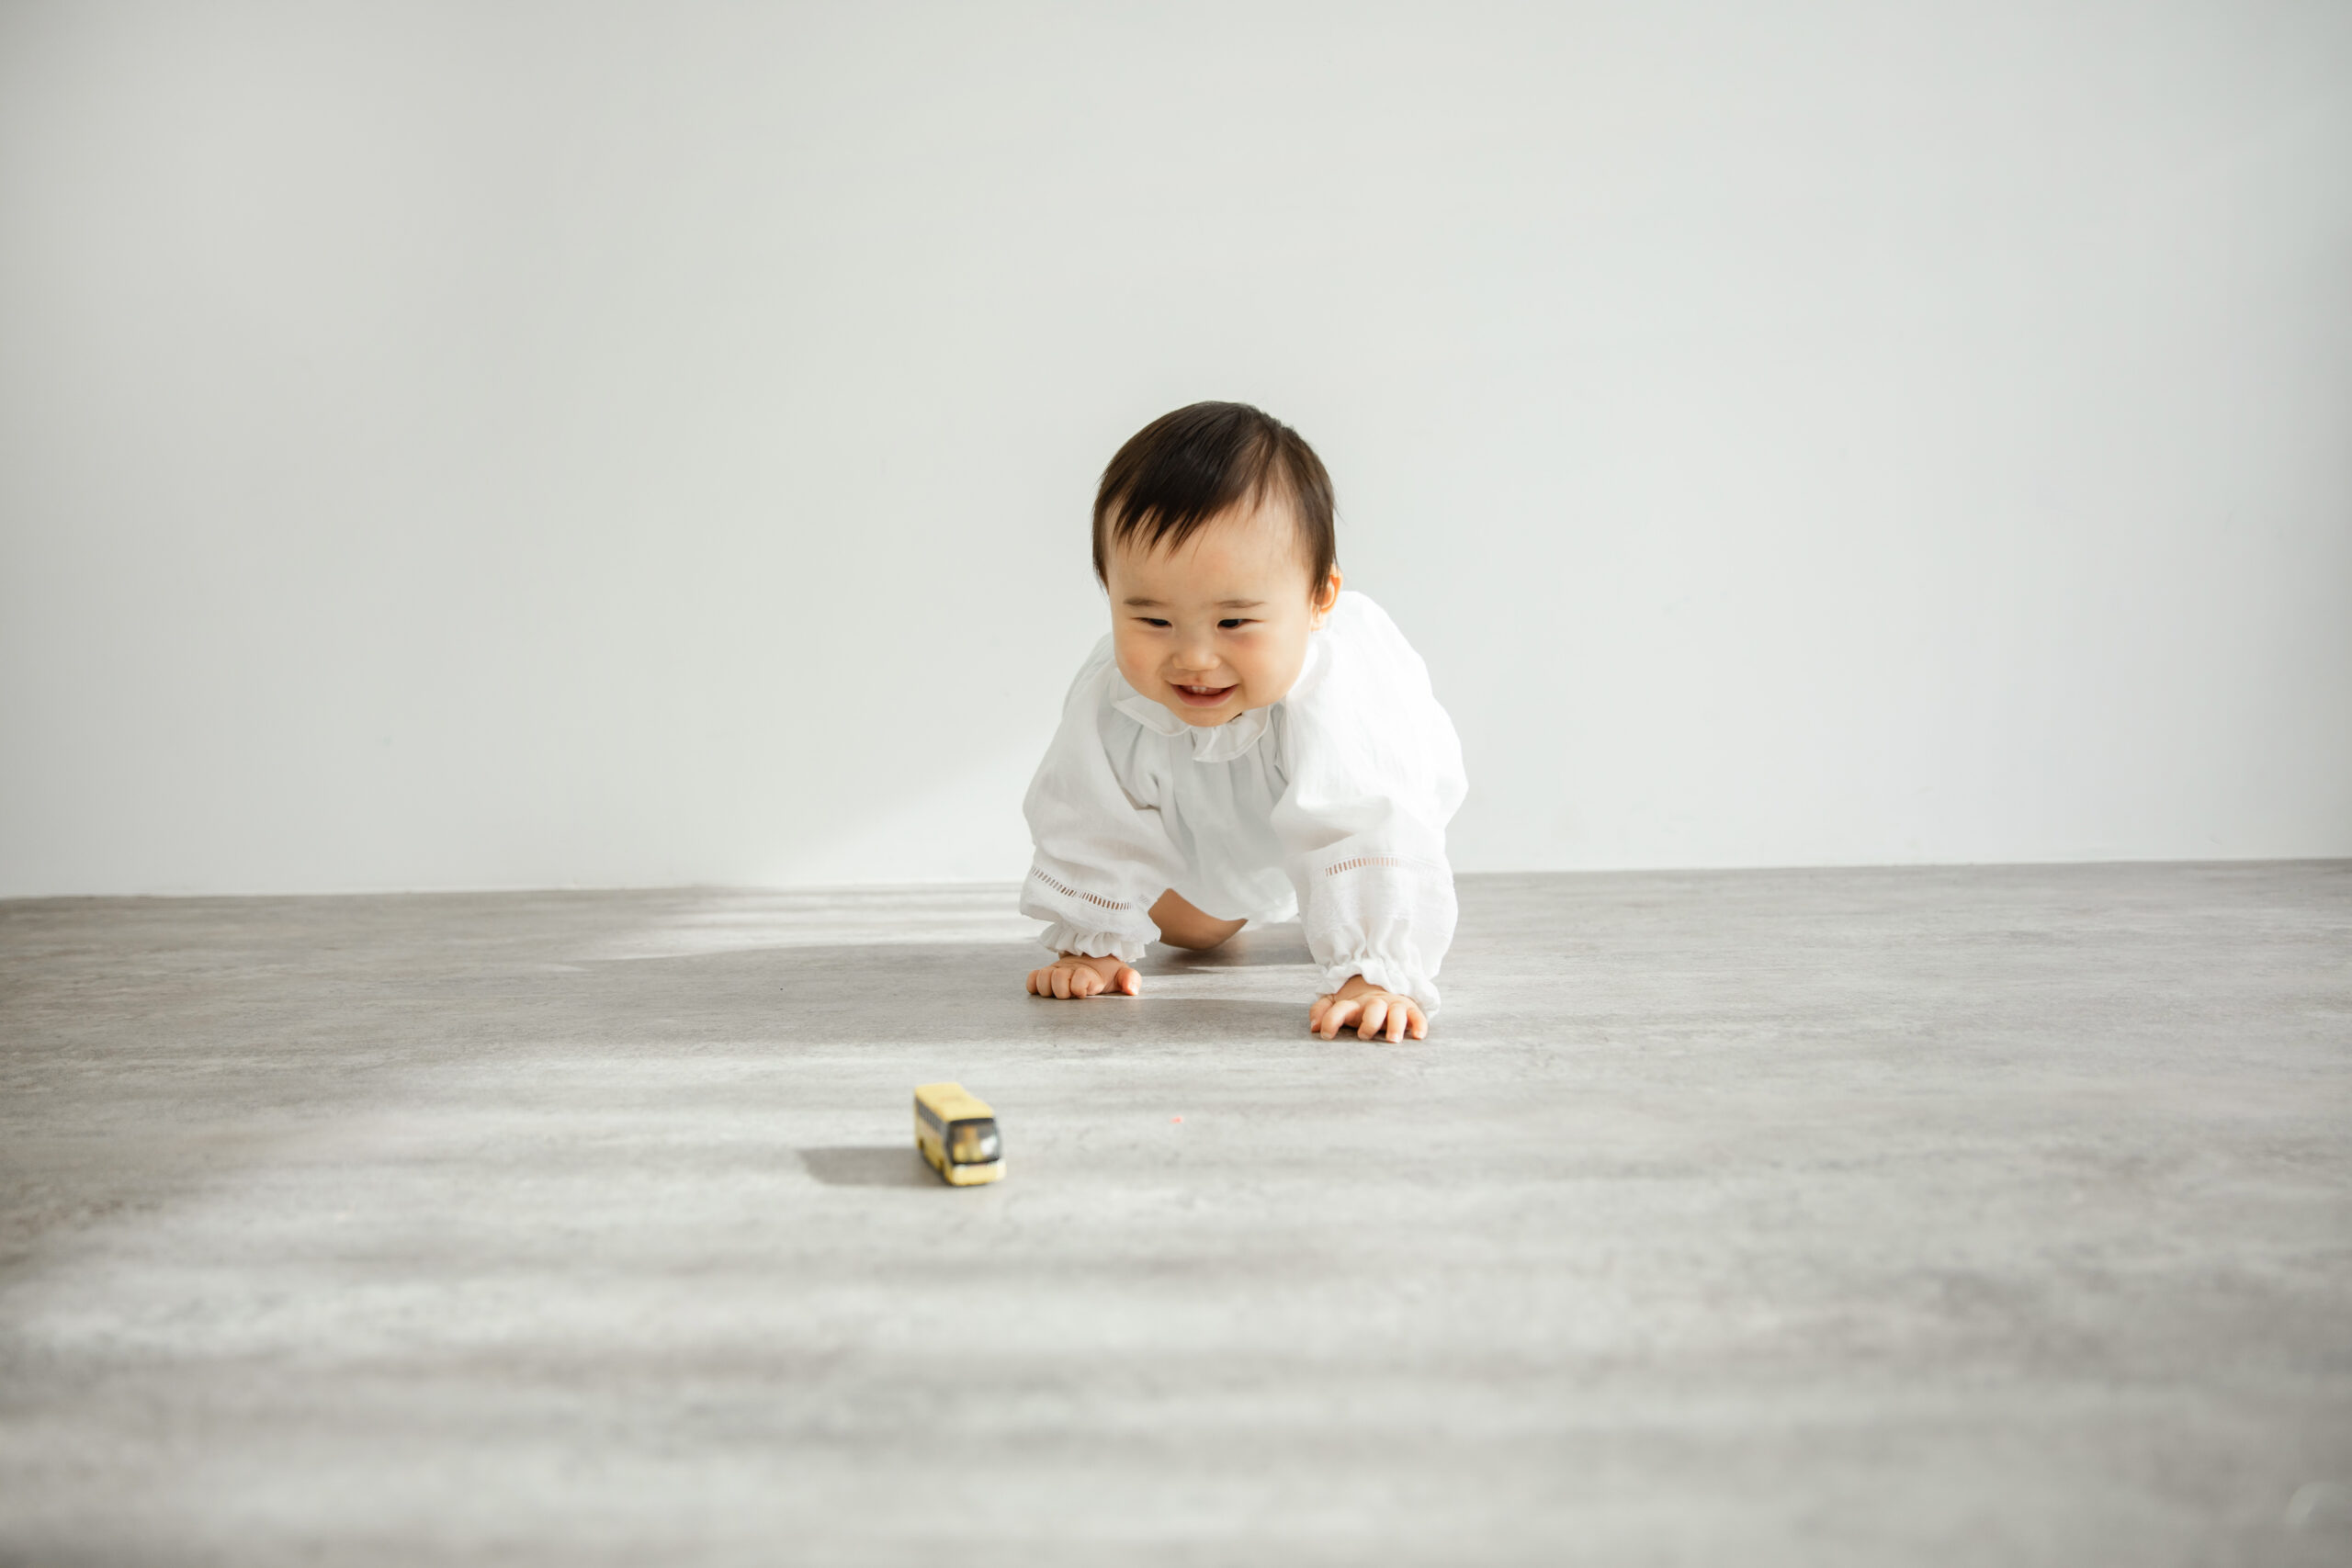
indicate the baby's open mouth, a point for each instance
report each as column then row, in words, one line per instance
column 1202, row 696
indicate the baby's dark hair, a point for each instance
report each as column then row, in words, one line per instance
column 1185, row 468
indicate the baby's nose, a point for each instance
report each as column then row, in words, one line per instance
column 1195, row 653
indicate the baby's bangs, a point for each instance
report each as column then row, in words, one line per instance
column 1183, row 468
column 1178, row 498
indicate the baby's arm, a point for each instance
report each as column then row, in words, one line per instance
column 1074, row 974
column 1102, row 854
column 1375, row 775
column 1374, row 1012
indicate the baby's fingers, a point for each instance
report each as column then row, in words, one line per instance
column 1128, row 981
column 1335, row 1017
column 1420, row 1020
column 1376, row 1013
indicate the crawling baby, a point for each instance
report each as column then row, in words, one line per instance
column 1250, row 743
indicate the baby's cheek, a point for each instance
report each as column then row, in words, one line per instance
column 1269, row 674
column 1133, row 662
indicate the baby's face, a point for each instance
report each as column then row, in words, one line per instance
column 1219, row 626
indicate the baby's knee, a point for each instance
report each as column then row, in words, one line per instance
column 1200, row 938
column 1181, row 925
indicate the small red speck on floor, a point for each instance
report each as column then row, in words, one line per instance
column 1175, row 1118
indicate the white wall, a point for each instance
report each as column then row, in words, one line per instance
column 465, row 445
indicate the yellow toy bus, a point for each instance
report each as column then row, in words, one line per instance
column 956, row 1132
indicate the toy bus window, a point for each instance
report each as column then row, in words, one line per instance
column 929, row 1116
column 974, row 1142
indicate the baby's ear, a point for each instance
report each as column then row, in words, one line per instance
column 1329, row 598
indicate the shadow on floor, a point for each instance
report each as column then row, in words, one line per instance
column 871, row 1165
column 828, row 996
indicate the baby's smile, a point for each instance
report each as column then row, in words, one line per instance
column 1202, row 696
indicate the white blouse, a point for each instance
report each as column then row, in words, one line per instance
column 1330, row 804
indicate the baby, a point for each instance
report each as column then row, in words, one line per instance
column 1249, row 743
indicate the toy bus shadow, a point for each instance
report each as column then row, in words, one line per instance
column 884, row 1165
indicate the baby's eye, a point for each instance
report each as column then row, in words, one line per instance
column 1151, row 620
column 1236, row 621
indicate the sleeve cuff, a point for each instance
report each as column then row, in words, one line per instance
column 1060, row 937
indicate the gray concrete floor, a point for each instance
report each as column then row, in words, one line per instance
column 2000, row 1214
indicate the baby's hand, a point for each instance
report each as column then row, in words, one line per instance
column 1073, row 975
column 1374, row 1012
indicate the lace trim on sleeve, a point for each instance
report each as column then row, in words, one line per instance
column 1067, row 891
column 1402, row 862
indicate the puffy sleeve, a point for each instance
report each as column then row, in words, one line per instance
column 1103, row 855
column 1375, row 774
